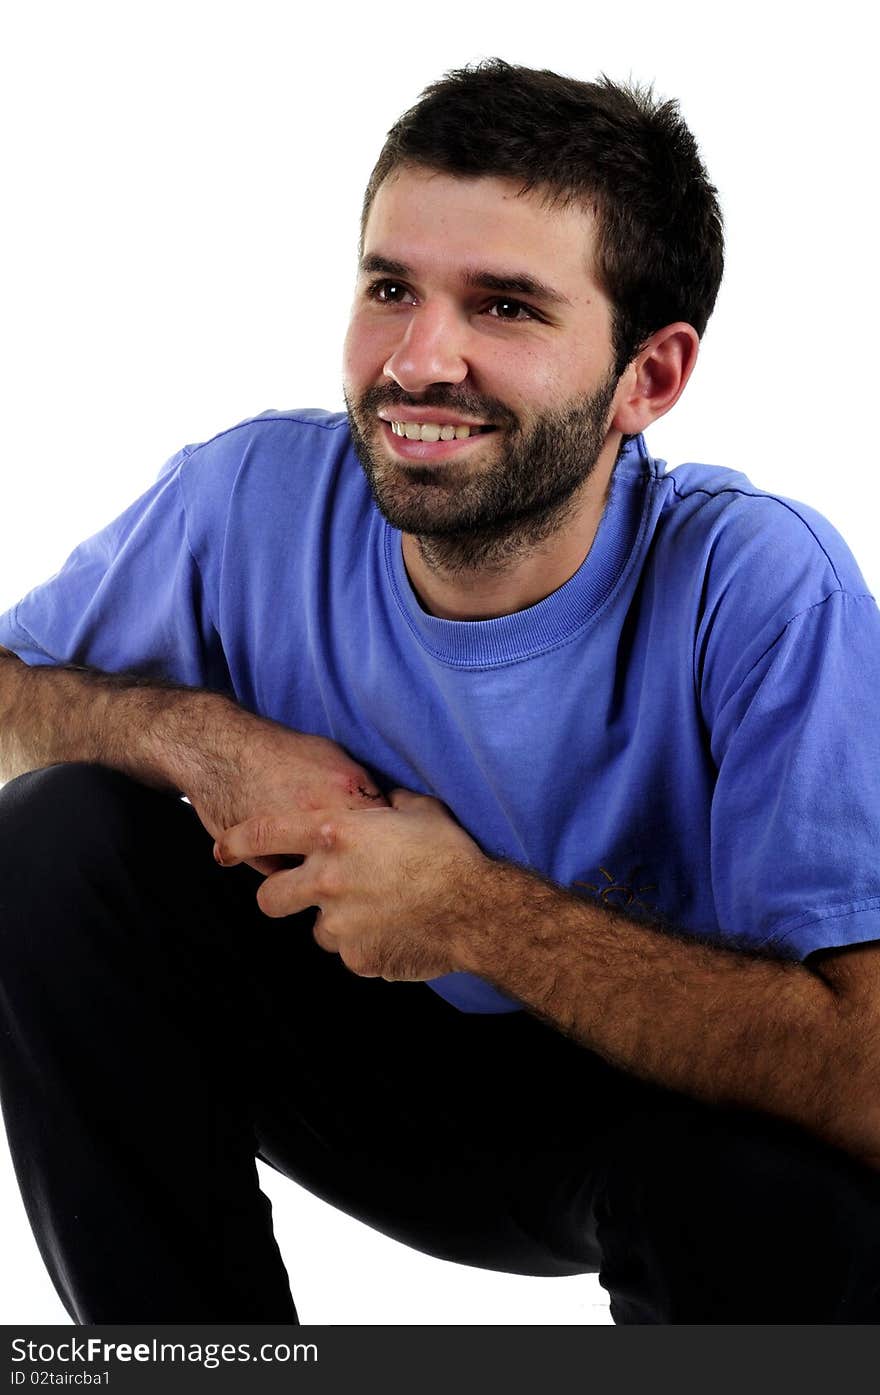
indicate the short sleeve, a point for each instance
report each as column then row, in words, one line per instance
column 796, row 810
column 130, row 599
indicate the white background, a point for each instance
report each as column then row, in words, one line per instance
column 181, row 185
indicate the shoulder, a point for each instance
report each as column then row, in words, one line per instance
column 270, row 443
column 739, row 565
column 746, row 536
column 275, row 465
column 269, row 488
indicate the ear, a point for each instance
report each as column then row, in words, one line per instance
column 656, row 377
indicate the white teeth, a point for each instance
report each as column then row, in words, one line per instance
column 431, row 431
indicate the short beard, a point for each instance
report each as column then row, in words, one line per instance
column 488, row 521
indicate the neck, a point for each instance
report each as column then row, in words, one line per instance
column 514, row 570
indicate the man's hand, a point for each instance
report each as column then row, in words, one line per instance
column 396, row 886
column 231, row 764
column 250, row 768
column 404, row 893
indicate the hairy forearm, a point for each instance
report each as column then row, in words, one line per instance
column 717, row 1024
column 158, row 733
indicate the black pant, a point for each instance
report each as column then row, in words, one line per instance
column 158, row 1033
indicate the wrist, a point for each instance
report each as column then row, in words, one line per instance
column 486, row 893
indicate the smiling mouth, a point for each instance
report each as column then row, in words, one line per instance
column 435, row 431
column 430, row 445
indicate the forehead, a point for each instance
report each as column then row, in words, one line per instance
column 442, row 224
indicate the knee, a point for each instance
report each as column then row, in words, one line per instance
column 734, row 1212
column 74, row 840
column 736, row 1163
column 65, row 799
column 64, row 817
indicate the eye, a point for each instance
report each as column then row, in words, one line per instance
column 516, row 306
column 387, row 292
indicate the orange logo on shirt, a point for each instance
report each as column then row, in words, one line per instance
column 622, row 893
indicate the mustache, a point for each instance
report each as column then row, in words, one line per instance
column 486, row 410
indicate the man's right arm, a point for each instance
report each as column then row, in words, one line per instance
column 52, row 714
column 231, row 764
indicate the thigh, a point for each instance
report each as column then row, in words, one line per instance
column 462, row 1135
column 457, row 1133
column 493, row 1140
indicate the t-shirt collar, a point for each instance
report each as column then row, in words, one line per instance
column 559, row 616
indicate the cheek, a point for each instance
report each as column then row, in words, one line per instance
column 366, row 349
column 554, row 385
column 525, row 376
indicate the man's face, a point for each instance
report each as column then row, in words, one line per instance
column 445, row 320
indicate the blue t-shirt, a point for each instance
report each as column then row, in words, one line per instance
column 688, row 730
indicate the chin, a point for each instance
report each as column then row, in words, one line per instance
column 419, row 516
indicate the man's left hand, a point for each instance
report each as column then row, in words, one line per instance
column 395, row 887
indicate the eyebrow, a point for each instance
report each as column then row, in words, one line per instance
column 507, row 282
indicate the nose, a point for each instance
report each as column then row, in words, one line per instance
column 432, row 350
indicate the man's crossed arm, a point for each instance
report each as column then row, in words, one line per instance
column 405, row 893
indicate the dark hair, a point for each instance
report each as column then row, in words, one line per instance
column 609, row 147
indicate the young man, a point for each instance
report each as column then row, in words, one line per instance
column 543, row 784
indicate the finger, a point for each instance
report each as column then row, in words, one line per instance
column 286, row 893
column 323, row 937
column 293, row 835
